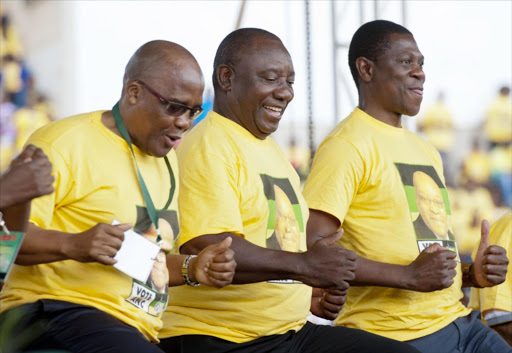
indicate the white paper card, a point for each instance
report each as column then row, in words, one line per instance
column 136, row 255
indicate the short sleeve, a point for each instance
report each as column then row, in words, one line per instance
column 335, row 177
column 208, row 201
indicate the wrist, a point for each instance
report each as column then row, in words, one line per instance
column 468, row 274
column 472, row 277
column 188, row 270
column 408, row 278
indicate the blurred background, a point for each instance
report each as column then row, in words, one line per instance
column 61, row 58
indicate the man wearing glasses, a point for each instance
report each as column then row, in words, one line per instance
column 112, row 166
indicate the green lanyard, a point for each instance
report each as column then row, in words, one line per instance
column 153, row 214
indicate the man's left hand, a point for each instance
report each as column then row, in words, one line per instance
column 490, row 266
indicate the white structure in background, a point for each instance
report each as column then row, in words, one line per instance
column 77, row 49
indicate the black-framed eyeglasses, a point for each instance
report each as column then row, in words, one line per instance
column 173, row 108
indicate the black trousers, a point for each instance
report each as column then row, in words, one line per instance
column 310, row 339
column 59, row 325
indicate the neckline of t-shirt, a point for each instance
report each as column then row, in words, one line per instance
column 242, row 130
column 379, row 124
column 115, row 137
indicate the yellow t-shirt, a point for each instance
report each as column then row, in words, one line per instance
column 438, row 126
column 498, row 122
column 233, row 182
column 477, row 167
column 498, row 297
column 27, row 121
column 95, row 182
column 364, row 175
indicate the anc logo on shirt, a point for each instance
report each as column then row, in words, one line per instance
column 428, row 204
column 285, row 223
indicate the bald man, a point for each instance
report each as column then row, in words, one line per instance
column 113, row 165
column 432, row 221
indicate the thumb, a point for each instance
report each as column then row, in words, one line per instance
column 484, row 241
column 333, row 238
column 222, row 246
column 484, row 237
column 124, row 226
column 484, row 244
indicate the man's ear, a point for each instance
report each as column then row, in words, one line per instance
column 133, row 92
column 224, row 75
column 365, row 69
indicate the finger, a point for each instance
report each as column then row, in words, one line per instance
column 434, row 248
column 222, row 267
column 491, row 259
column 495, row 279
column 221, row 276
column 451, row 264
column 328, row 315
column 333, row 238
column 124, row 226
column 106, row 260
column 337, row 300
column 28, row 152
column 317, row 292
column 351, row 257
column 39, row 154
column 496, row 250
column 226, row 256
column 331, row 307
column 448, row 254
column 336, row 292
column 500, row 270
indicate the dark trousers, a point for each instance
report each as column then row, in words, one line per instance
column 59, row 325
column 467, row 334
column 310, row 339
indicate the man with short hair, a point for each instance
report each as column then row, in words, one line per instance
column 237, row 183
column 114, row 165
column 362, row 180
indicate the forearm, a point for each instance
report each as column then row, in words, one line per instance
column 374, row 273
column 42, row 246
column 174, row 264
column 254, row 263
column 16, row 217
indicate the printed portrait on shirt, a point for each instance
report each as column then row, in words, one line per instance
column 429, row 205
column 152, row 295
column 285, row 223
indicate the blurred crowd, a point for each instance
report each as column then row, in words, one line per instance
column 22, row 108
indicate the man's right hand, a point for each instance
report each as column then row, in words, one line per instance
column 329, row 266
column 98, row 244
column 29, row 176
column 433, row 269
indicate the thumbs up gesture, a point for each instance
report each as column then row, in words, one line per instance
column 490, row 266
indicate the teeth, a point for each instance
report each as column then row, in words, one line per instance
column 276, row 109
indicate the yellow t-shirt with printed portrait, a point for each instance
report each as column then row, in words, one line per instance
column 386, row 187
column 498, row 297
column 96, row 182
column 231, row 181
